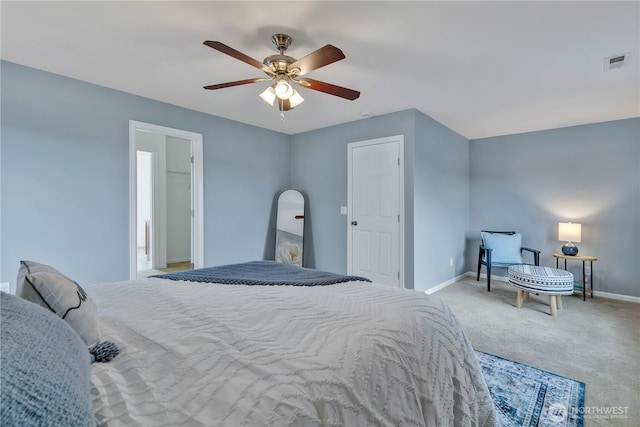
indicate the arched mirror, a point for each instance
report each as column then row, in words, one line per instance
column 290, row 227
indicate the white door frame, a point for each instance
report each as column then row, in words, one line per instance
column 197, row 194
column 350, row 147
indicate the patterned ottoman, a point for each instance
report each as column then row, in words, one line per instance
column 541, row 280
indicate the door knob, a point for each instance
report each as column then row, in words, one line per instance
column 354, row 222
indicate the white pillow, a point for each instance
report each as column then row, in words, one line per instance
column 27, row 267
column 67, row 299
column 506, row 247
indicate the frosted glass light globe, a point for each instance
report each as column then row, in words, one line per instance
column 283, row 90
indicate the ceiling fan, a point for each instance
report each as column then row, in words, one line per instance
column 284, row 70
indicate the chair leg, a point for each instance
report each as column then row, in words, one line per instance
column 479, row 264
column 489, row 278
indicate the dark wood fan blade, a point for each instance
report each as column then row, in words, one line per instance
column 236, row 83
column 221, row 47
column 340, row 91
column 324, row 56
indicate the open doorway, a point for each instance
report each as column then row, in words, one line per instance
column 144, row 182
column 166, row 206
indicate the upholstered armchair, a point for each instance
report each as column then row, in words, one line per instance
column 502, row 249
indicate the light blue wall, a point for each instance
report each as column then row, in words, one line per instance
column 65, row 176
column 441, row 199
column 319, row 168
column 64, row 181
column 587, row 174
column 436, row 192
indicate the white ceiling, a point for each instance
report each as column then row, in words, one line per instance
column 480, row 68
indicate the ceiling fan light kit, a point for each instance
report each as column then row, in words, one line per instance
column 270, row 94
column 285, row 70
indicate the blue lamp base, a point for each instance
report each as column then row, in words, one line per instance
column 570, row 249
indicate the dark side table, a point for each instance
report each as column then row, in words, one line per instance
column 579, row 287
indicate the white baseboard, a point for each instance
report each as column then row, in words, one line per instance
column 616, row 296
column 506, row 279
column 444, row 284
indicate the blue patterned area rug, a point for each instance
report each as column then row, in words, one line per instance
column 527, row 396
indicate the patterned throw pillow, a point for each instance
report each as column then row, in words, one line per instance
column 67, row 299
column 28, row 267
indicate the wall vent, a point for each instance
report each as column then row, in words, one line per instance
column 616, row 62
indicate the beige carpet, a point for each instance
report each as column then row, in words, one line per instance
column 596, row 341
column 177, row 266
column 171, row 268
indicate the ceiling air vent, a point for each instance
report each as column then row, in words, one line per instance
column 617, row 61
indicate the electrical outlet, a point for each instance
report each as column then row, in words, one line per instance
column 450, row 262
column 5, row 287
column 587, row 271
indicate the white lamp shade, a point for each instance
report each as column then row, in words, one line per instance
column 296, row 99
column 269, row 95
column 569, row 232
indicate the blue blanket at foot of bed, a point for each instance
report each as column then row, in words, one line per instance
column 261, row 273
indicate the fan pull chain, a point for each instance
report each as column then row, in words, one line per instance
column 281, row 110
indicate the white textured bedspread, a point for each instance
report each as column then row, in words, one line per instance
column 351, row 354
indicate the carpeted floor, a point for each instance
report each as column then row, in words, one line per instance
column 596, row 342
column 171, row 268
column 177, row 266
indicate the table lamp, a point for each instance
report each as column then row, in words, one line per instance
column 569, row 232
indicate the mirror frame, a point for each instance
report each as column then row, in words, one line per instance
column 290, row 228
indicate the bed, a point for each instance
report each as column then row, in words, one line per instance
column 202, row 350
